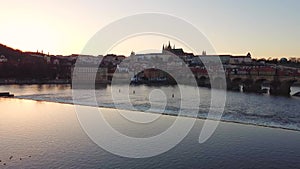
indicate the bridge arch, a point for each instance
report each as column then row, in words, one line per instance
column 263, row 82
column 290, row 81
column 247, row 85
column 218, row 83
column 278, row 84
column 203, row 78
column 248, row 81
column 281, row 87
column 235, row 84
column 237, row 80
column 203, row 81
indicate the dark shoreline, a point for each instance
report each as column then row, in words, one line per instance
column 69, row 82
column 35, row 82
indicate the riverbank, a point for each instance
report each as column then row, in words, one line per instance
column 33, row 82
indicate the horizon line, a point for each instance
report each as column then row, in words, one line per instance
column 126, row 55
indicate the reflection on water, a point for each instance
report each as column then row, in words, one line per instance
column 48, row 135
column 259, row 109
column 35, row 89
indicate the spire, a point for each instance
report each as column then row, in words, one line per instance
column 249, row 54
column 132, row 53
column 169, row 46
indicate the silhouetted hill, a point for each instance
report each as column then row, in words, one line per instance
column 11, row 53
column 18, row 55
column 22, row 65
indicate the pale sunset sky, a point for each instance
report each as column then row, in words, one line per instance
column 266, row 28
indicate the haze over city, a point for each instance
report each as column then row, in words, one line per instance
column 264, row 28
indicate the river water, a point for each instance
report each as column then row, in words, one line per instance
column 39, row 134
column 257, row 109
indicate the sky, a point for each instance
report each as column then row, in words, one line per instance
column 266, row 28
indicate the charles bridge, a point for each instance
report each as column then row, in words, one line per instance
column 278, row 84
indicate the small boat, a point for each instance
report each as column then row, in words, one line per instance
column 6, row 94
column 297, row 94
column 263, row 91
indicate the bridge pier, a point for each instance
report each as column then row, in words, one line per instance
column 279, row 85
column 280, row 88
column 203, row 82
column 250, row 86
column 233, row 85
column 254, row 87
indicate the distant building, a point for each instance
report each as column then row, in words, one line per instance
column 240, row 59
column 3, row 59
column 154, row 74
column 152, row 57
column 225, row 59
column 176, row 51
column 55, row 61
column 90, row 74
column 194, row 61
column 122, row 69
column 85, row 58
column 283, row 60
column 112, row 59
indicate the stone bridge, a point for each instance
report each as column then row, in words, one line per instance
column 279, row 85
